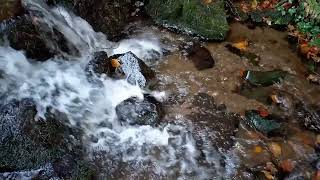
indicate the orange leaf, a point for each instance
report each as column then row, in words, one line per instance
column 263, row 112
column 115, row 63
column 242, row 45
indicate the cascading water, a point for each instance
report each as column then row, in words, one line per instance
column 61, row 84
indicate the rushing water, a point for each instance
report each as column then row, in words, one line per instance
column 61, row 84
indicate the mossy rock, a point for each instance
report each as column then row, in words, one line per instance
column 207, row 20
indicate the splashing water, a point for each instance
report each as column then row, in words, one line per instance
column 61, row 84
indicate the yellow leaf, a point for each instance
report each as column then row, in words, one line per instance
column 242, row 45
column 268, row 175
column 254, row 4
column 275, row 148
column 115, row 63
column 257, row 149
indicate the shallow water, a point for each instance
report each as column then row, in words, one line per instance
column 197, row 138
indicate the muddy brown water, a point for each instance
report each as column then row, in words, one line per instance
column 179, row 77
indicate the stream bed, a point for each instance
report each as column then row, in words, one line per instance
column 140, row 108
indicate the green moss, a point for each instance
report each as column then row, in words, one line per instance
column 208, row 21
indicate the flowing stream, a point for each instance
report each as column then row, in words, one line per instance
column 60, row 84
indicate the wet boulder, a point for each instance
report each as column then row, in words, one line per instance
column 121, row 66
column 106, row 16
column 140, row 112
column 206, row 19
column 200, row 56
column 40, row 43
column 10, row 8
column 28, row 146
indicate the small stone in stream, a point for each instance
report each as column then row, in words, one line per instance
column 308, row 116
column 314, row 79
column 102, row 64
column 200, row 56
column 140, row 112
column 264, row 78
column 261, row 124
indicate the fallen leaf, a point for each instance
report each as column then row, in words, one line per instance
column 275, row 148
column 115, row 63
column 268, row 175
column 242, row 45
column 257, row 149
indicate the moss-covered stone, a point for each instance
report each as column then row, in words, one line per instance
column 207, row 20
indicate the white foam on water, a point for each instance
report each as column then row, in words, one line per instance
column 61, row 84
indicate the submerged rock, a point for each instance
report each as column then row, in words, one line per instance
column 221, row 125
column 200, row 56
column 122, row 66
column 140, row 112
column 207, row 20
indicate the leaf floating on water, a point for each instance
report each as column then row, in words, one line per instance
column 242, row 45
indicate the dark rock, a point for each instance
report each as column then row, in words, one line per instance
column 221, row 125
column 39, row 42
column 43, row 173
column 140, row 112
column 107, row 16
column 10, row 9
column 207, row 20
column 23, row 35
column 131, row 67
column 27, row 146
column 200, row 56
